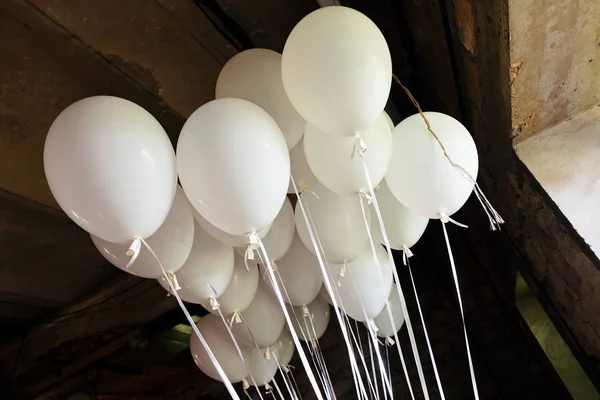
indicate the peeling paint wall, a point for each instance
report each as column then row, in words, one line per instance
column 555, row 62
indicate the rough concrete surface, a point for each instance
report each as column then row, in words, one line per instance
column 555, row 62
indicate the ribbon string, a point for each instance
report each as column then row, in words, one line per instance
column 328, row 285
column 411, row 334
column 462, row 312
column 205, row 345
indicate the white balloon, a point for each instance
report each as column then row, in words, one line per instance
column 224, row 237
column 255, row 75
column 301, row 172
column 279, row 238
column 207, row 270
column 338, row 222
column 301, row 274
column 319, row 313
column 420, row 176
column 383, row 322
column 263, row 369
column 285, row 347
column 263, row 320
column 172, row 243
column 362, row 285
column 329, row 157
column 111, row 168
column 389, row 120
column 337, row 70
column 403, row 227
column 216, row 336
column 324, row 294
column 241, row 289
column 234, row 165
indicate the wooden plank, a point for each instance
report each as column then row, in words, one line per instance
column 554, row 259
column 43, row 70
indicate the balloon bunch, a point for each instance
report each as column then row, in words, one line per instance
column 309, row 122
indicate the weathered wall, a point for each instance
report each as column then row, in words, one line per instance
column 555, row 62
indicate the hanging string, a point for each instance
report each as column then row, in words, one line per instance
column 433, row 363
column 316, row 364
column 372, row 330
column 319, row 353
column 285, row 381
column 387, row 303
column 462, row 312
column 236, row 345
column 293, row 379
column 255, row 240
column 493, row 216
column 328, row 286
column 213, row 359
column 277, row 388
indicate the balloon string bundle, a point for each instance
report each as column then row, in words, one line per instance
column 462, row 312
column 319, row 366
column 285, row 380
column 256, row 241
column 357, row 376
column 425, row 333
column 328, row 286
column 493, row 216
column 237, row 348
column 411, row 334
column 222, row 375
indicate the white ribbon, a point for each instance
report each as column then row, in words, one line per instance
column 387, row 303
column 462, row 312
column 255, row 240
column 411, row 334
column 433, row 363
column 328, row 285
column 205, row 345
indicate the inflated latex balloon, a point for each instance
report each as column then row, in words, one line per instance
column 241, row 289
column 263, row 318
column 285, row 347
column 338, row 222
column 319, row 313
column 263, row 369
column 362, row 285
column 420, row 176
column 279, row 238
column 301, row 172
column 301, row 274
column 216, row 336
column 207, row 270
column 224, row 237
column 383, row 322
column 234, row 165
column 255, row 75
column 403, row 227
column 389, row 121
column 172, row 243
column 111, row 168
column 337, row 70
column 331, row 161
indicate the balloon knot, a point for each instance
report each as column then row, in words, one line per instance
column 133, row 251
column 406, row 253
column 268, row 387
column 446, row 218
column 390, row 341
column 214, row 304
column 245, row 384
column 373, row 325
column 273, row 266
column 342, row 272
column 267, row 354
column 285, row 368
column 173, row 279
column 305, row 311
column 366, row 196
